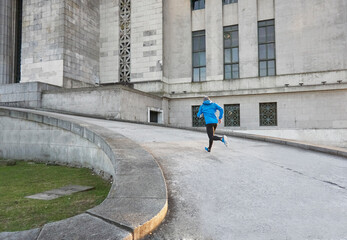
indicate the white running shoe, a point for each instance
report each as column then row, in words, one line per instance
column 225, row 141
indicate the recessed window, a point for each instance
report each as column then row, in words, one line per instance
column 155, row 115
column 229, row 1
column 198, row 4
column 268, row 114
column 232, row 115
column 231, row 52
column 197, row 122
column 266, row 48
column 199, row 56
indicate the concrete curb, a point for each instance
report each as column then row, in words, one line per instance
column 137, row 202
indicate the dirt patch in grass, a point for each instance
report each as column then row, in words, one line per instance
column 18, row 213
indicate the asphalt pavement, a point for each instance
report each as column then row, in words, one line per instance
column 251, row 190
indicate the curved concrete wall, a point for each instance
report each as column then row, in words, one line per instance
column 137, row 201
column 27, row 140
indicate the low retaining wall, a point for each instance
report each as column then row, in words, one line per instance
column 137, row 201
column 109, row 102
column 23, row 94
column 328, row 137
column 283, row 141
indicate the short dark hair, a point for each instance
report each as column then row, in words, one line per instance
column 206, row 98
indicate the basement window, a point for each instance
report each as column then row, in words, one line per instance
column 155, row 115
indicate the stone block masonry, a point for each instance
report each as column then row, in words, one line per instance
column 43, row 42
column 146, row 40
column 81, row 41
column 23, row 94
column 109, row 41
column 110, row 102
column 60, row 43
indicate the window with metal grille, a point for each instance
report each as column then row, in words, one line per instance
column 231, row 52
column 266, row 48
column 268, row 114
column 232, row 115
column 199, row 56
column 197, row 122
column 229, row 1
column 198, row 4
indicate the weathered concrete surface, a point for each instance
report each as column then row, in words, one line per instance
column 84, row 227
column 23, row 235
column 23, row 94
column 110, row 102
column 137, row 202
column 253, row 190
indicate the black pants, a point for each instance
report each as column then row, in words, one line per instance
column 210, row 129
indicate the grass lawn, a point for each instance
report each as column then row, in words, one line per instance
column 26, row 178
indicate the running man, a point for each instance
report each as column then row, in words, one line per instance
column 209, row 109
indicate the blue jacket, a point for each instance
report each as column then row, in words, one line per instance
column 208, row 108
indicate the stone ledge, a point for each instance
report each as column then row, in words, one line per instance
column 342, row 152
column 137, row 202
column 308, row 146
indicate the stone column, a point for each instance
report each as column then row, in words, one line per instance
column 6, row 41
column 248, row 38
column 214, row 39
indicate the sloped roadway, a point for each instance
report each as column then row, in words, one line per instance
column 251, row 190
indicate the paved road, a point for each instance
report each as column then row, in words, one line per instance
column 252, row 190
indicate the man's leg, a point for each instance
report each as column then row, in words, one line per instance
column 224, row 139
column 210, row 128
column 216, row 137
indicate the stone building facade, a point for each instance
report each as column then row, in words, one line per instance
column 272, row 64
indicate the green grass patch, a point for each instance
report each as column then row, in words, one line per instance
column 18, row 213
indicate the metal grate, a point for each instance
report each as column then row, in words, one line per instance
column 197, row 122
column 268, row 114
column 124, row 39
column 232, row 115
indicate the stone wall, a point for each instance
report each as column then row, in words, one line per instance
column 146, row 40
column 311, row 36
column 111, row 102
column 305, row 110
column 23, row 94
column 52, row 144
column 60, row 44
column 109, row 41
column 43, row 42
column 81, row 42
column 324, row 137
column 305, row 52
column 177, row 41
